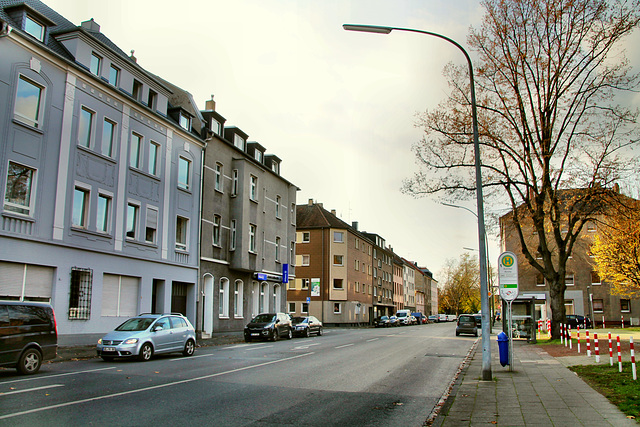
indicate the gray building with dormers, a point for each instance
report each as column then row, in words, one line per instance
column 100, row 173
column 248, row 229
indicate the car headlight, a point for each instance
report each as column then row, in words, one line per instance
column 100, row 341
column 131, row 341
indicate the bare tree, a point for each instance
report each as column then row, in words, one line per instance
column 547, row 80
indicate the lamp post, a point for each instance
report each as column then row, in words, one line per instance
column 484, row 302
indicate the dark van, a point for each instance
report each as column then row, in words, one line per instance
column 28, row 335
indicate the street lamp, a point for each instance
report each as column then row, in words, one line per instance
column 484, row 302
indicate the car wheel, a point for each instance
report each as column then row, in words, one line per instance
column 457, row 334
column 275, row 335
column 307, row 333
column 247, row 339
column 107, row 358
column 146, row 351
column 320, row 331
column 189, row 348
column 289, row 334
column 30, row 362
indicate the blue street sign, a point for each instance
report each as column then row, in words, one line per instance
column 285, row 273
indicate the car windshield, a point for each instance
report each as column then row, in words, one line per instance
column 264, row 318
column 401, row 314
column 135, row 324
column 297, row 320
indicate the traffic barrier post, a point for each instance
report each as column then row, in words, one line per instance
column 549, row 328
column 610, row 351
column 603, row 327
column 596, row 348
column 622, row 317
column 578, row 338
column 588, row 344
column 569, row 338
column 561, row 333
column 633, row 359
column 619, row 354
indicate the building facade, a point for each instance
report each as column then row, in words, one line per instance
column 383, row 284
column 334, row 271
column 248, row 230
column 100, row 177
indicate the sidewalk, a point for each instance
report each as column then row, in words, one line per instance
column 540, row 391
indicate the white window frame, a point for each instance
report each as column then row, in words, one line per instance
column 306, row 236
column 95, row 66
column 338, row 260
column 30, row 22
column 338, row 237
column 238, row 141
column 292, row 307
column 182, row 162
column 218, row 177
column 83, row 221
column 136, row 219
column 337, row 305
column 154, row 148
column 238, row 299
column 278, row 241
column 217, row 223
column 233, row 234
column 253, row 192
column 253, row 231
column 111, row 139
column 106, row 221
column 29, row 195
column 182, row 245
column 36, row 121
column 234, row 182
column 278, row 200
column 147, row 223
column 113, row 69
column 223, row 299
column 306, row 259
column 135, row 148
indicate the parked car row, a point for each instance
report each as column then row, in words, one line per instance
column 401, row 318
column 272, row 326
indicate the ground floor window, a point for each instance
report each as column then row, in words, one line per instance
column 25, row 282
column 598, row 305
column 80, row 288
column 120, row 295
column 625, row 305
column 292, row 307
column 337, row 308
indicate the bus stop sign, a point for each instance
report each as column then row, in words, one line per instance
column 508, row 276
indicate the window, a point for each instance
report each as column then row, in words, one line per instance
column 120, row 295
column 184, row 171
column 151, row 225
column 237, row 299
column 28, row 106
column 263, row 297
column 234, row 183
column 215, row 126
column 238, row 141
column 80, row 293
column 85, row 127
column 34, row 28
column 275, row 167
column 137, row 90
column 357, row 265
column 337, row 284
column 595, row 278
column 277, row 249
column 258, row 155
column 306, row 237
column 569, row 280
column 305, row 260
column 337, row 260
column 80, row 207
column 94, row 66
column 232, row 243
column 218, row 181
column 18, row 194
column 154, row 149
column 598, row 305
column 278, row 200
column 224, row 298
column 292, row 307
column 185, row 121
column 592, row 227
column 338, row 237
column 182, row 229
column 216, row 230
column 305, row 307
column 151, row 99
column 292, row 253
column 132, row 220
column 305, row 283
column 108, row 135
column 625, row 306
column 104, row 213
column 254, row 188
column 337, row 308
column 114, row 76
column 252, row 238
column 134, row 152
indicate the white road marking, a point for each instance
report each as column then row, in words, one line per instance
column 43, row 377
column 373, row 339
column 303, row 347
column 259, row 348
column 6, row 393
column 343, row 346
column 191, row 357
column 155, row 387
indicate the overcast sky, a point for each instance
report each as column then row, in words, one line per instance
column 337, row 107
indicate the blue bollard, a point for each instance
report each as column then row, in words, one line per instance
column 503, row 347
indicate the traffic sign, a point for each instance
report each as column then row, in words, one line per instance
column 508, row 275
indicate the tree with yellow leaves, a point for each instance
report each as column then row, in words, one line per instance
column 617, row 253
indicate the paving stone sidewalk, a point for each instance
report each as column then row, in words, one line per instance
column 540, row 391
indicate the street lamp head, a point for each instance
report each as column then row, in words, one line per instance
column 367, row 28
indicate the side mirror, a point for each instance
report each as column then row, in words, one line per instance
column 158, row 328
column 277, row 320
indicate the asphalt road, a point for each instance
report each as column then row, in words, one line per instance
column 355, row 377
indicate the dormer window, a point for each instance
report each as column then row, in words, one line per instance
column 275, row 167
column 258, row 155
column 152, row 99
column 137, row 90
column 34, row 28
column 238, row 141
column 114, row 74
column 94, row 67
column 185, row 121
column 215, row 126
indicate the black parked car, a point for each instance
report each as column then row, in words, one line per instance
column 28, row 335
column 306, row 326
column 381, row 322
column 574, row 320
column 478, row 320
column 269, row 326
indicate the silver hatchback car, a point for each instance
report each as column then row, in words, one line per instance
column 148, row 334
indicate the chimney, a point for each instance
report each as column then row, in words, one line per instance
column 91, row 25
column 616, row 188
column 354, row 224
column 333, row 212
column 133, row 58
column 310, row 202
column 210, row 105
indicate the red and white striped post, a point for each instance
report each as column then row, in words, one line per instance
column 633, row 359
column 569, row 338
column 588, row 344
column 603, row 327
column 578, row 338
column 622, row 317
column 549, row 328
column 561, row 333
column 596, row 348
column 619, row 354
column 610, row 351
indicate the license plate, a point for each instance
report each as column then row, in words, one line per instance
column 109, row 349
column 255, row 335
